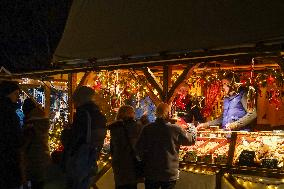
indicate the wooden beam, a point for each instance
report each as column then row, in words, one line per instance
column 280, row 62
column 25, row 90
column 153, row 81
column 47, row 93
column 84, row 79
column 184, row 76
column 166, row 82
column 153, row 97
column 71, row 88
column 151, row 94
column 29, row 86
column 239, row 67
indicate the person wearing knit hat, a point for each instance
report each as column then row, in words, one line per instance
column 88, row 115
column 11, row 137
column 36, row 151
column 83, row 95
column 9, row 89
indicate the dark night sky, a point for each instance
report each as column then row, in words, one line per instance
column 30, row 31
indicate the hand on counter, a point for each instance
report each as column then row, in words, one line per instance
column 231, row 126
column 202, row 125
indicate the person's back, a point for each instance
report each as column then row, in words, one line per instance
column 37, row 152
column 11, row 141
column 124, row 133
column 159, row 148
column 122, row 159
column 55, row 176
column 85, row 145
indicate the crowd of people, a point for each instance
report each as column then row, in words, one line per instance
column 141, row 151
column 26, row 161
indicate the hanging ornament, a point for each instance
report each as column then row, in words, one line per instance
column 252, row 72
column 211, row 94
column 97, row 86
column 270, row 80
column 251, row 96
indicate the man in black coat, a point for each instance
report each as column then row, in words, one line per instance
column 87, row 114
column 11, row 138
column 159, row 148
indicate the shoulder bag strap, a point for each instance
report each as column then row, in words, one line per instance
column 89, row 122
column 128, row 139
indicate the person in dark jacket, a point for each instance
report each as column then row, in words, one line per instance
column 11, row 137
column 158, row 147
column 124, row 135
column 236, row 115
column 36, row 152
column 83, row 99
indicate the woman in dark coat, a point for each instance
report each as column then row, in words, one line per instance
column 122, row 157
column 37, row 154
column 85, row 107
column 11, row 140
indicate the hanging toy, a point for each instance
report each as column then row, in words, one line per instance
column 251, row 96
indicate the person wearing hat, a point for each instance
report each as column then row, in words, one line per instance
column 36, row 151
column 87, row 114
column 11, row 137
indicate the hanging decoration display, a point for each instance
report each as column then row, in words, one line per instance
column 58, row 108
column 212, row 95
column 252, row 80
column 116, row 88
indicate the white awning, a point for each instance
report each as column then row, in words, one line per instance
column 113, row 28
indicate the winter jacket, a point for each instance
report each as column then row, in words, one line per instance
column 158, row 146
column 122, row 157
column 235, row 110
column 37, row 153
column 80, row 125
column 11, row 141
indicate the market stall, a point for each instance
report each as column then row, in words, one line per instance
column 195, row 95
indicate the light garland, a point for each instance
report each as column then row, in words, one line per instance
column 243, row 180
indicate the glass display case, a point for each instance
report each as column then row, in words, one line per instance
column 259, row 149
column 255, row 149
column 211, row 147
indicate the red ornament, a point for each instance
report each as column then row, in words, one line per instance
column 244, row 82
column 270, row 80
column 97, row 85
column 201, row 82
column 211, row 94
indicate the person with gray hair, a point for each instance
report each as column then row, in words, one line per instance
column 124, row 135
column 158, row 146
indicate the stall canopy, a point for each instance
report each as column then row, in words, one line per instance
column 114, row 28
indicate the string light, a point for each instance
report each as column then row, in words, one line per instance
column 251, row 180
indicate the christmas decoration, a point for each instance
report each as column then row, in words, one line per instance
column 212, row 94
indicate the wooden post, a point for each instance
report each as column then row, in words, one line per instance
column 150, row 92
column 153, row 81
column 167, row 72
column 72, row 77
column 231, row 153
column 47, row 93
column 84, row 79
column 183, row 77
column 25, row 90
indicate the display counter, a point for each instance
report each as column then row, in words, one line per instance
column 225, row 159
column 224, row 154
